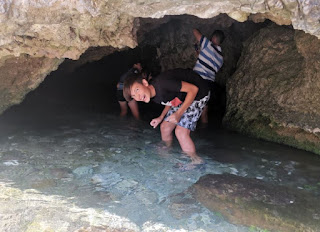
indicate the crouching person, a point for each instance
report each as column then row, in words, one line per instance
column 184, row 94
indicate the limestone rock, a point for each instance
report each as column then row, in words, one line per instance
column 274, row 94
column 175, row 41
column 65, row 29
column 252, row 202
column 20, row 75
column 102, row 229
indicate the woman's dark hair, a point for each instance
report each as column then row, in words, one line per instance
column 129, row 81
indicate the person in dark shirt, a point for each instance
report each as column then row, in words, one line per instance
column 133, row 105
column 184, row 94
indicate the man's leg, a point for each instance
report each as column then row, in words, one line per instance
column 166, row 129
column 123, row 108
column 188, row 147
column 186, row 143
column 134, row 109
column 204, row 115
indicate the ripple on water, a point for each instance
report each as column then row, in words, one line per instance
column 114, row 175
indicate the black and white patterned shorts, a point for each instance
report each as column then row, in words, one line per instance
column 191, row 116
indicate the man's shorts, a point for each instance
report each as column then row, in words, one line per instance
column 191, row 116
column 120, row 96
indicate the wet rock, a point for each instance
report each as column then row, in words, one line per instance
column 105, row 180
column 126, row 185
column 146, row 196
column 253, row 202
column 25, row 74
column 183, row 205
column 274, row 94
column 60, row 173
column 83, row 171
column 44, row 184
column 105, row 197
column 102, row 229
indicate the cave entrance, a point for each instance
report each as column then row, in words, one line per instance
column 107, row 174
column 88, row 86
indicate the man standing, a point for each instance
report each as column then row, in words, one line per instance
column 209, row 61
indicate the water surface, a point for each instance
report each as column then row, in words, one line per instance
column 64, row 172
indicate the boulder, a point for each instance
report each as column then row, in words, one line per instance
column 255, row 203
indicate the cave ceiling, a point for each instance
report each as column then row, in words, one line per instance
column 65, row 29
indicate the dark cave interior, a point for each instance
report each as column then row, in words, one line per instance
column 90, row 88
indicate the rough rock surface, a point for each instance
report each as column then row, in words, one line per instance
column 65, row 29
column 20, row 75
column 174, row 40
column 252, row 202
column 58, row 29
column 275, row 92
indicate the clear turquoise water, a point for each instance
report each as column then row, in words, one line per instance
column 70, row 171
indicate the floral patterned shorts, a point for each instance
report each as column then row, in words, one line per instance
column 191, row 116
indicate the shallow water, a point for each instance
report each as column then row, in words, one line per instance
column 73, row 171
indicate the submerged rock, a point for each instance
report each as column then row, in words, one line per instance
column 102, row 229
column 253, row 202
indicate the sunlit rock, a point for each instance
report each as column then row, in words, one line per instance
column 255, row 203
column 65, row 29
column 274, row 94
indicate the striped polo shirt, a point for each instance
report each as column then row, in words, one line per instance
column 209, row 60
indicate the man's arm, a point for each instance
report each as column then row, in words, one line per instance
column 191, row 91
column 165, row 111
column 155, row 122
column 197, row 34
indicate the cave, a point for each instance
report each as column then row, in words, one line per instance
column 69, row 162
column 88, row 85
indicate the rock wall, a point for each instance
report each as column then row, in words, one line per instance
column 65, row 29
column 43, row 33
column 253, row 202
column 275, row 92
column 20, row 75
column 174, row 40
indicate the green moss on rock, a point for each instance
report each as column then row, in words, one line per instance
column 263, row 128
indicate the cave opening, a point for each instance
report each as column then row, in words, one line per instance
column 88, row 85
column 109, row 174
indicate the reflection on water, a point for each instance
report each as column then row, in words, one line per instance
column 104, row 172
